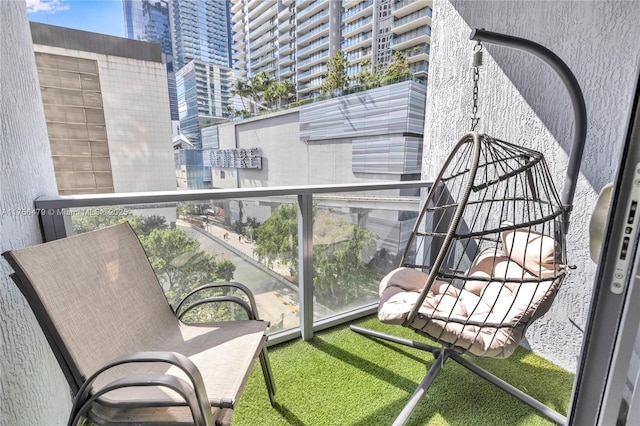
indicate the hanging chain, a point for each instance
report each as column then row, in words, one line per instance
column 477, row 62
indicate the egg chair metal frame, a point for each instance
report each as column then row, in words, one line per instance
column 495, row 241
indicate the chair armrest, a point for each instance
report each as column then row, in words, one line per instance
column 221, row 284
column 216, row 299
column 194, row 393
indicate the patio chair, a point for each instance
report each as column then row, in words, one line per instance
column 125, row 353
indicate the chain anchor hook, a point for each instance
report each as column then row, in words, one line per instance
column 476, row 64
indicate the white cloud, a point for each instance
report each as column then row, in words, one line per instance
column 47, row 6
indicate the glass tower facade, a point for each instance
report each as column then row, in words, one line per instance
column 201, row 30
column 148, row 20
column 204, row 97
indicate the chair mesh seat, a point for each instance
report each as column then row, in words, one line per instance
column 487, row 254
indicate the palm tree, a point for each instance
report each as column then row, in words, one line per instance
column 261, row 83
column 286, row 89
column 243, row 89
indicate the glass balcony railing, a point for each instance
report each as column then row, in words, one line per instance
column 359, row 8
column 314, row 57
column 313, row 32
column 418, row 32
column 357, row 24
column 315, row 18
column 313, row 45
column 230, row 234
column 412, row 17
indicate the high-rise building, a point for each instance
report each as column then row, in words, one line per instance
column 148, row 20
column 295, row 40
column 106, row 134
column 204, row 97
column 201, row 30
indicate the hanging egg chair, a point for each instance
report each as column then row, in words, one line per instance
column 488, row 251
column 487, row 254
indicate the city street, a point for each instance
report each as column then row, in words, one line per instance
column 276, row 301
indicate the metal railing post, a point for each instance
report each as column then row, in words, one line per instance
column 305, row 264
column 52, row 224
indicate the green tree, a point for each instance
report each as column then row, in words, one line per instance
column 285, row 90
column 262, row 86
column 243, row 89
column 180, row 264
column 149, row 223
column 341, row 254
column 336, row 79
column 85, row 220
column 341, row 271
column 277, row 237
column 398, row 69
column 366, row 78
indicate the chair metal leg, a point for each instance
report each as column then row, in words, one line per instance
column 395, row 339
column 442, row 354
column 527, row 399
column 418, row 394
column 268, row 376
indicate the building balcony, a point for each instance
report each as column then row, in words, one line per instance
column 360, row 11
column 238, row 15
column 286, row 60
column 260, row 41
column 269, row 67
column 412, row 21
column 240, row 54
column 357, row 42
column 362, row 25
column 311, row 9
column 301, row 4
column 266, row 26
column 314, row 72
column 287, row 72
column 286, row 25
column 239, row 26
column 313, row 47
column 265, row 48
column 417, row 54
column 315, row 59
column 312, row 22
column 347, row 4
column 359, row 56
column 262, row 60
column 285, row 14
column 317, row 32
column 419, row 36
column 238, row 36
column 238, row 5
column 285, row 49
column 258, row 8
column 239, row 45
column 406, row 7
column 286, row 37
column 261, row 19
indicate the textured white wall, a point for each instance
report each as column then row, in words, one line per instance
column 33, row 390
column 523, row 101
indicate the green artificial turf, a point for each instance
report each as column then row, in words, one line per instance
column 343, row 378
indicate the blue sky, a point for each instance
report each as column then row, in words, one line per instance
column 99, row 16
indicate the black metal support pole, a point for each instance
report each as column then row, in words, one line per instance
column 577, row 101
